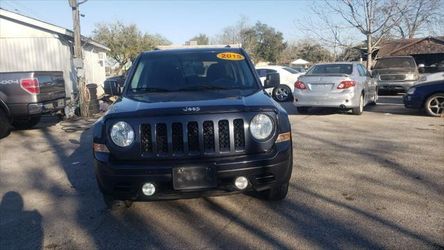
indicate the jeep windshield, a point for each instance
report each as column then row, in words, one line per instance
column 387, row 63
column 191, row 71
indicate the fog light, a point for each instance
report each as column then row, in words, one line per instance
column 148, row 189
column 241, row 182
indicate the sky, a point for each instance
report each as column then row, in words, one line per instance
column 177, row 20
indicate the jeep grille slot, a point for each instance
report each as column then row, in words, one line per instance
column 177, row 137
column 193, row 137
column 224, row 136
column 146, row 139
column 239, row 134
column 161, row 138
column 208, row 134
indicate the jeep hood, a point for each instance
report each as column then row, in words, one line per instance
column 175, row 103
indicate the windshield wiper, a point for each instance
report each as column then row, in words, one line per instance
column 149, row 89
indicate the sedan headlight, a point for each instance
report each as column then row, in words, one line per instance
column 411, row 91
column 122, row 134
column 261, row 127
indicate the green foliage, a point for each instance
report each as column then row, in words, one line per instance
column 263, row 43
column 125, row 41
column 201, row 39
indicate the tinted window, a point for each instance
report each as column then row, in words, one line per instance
column 262, row 72
column 361, row 70
column 190, row 71
column 325, row 69
column 395, row 63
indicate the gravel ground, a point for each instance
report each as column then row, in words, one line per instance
column 371, row 181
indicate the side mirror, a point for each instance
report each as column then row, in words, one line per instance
column 112, row 88
column 272, row 80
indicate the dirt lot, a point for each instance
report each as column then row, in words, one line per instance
column 370, row 181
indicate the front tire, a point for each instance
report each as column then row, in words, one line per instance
column 434, row 105
column 5, row 126
column 282, row 93
column 358, row 110
column 277, row 193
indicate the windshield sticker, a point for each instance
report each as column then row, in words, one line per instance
column 230, row 56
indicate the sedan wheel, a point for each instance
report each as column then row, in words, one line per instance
column 282, row 93
column 435, row 105
column 358, row 110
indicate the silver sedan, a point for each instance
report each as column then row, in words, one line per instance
column 344, row 85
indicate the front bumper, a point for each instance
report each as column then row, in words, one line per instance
column 395, row 86
column 345, row 99
column 124, row 180
column 412, row 101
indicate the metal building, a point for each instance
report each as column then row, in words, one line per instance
column 28, row 44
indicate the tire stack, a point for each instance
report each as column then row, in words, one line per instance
column 93, row 105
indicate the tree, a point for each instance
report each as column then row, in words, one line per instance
column 417, row 16
column 235, row 33
column 307, row 49
column 263, row 42
column 374, row 19
column 201, row 39
column 125, row 41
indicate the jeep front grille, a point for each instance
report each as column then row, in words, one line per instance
column 192, row 138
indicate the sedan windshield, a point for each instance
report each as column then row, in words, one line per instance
column 326, row 69
column 191, row 71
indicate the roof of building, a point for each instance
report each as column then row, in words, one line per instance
column 46, row 26
column 427, row 45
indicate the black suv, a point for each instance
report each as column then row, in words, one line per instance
column 191, row 123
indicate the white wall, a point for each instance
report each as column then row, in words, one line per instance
column 24, row 48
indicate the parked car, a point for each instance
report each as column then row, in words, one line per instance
column 288, row 77
column 428, row 96
column 344, row 85
column 189, row 123
column 25, row 96
column 395, row 73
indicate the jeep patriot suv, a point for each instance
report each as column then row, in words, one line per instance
column 192, row 123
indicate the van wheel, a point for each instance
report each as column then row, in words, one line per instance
column 5, row 126
column 358, row 110
column 276, row 194
column 26, row 123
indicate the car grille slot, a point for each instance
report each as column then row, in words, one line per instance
column 239, row 134
column 224, row 136
column 146, row 139
column 392, row 77
column 208, row 134
column 192, row 138
column 161, row 138
column 177, row 137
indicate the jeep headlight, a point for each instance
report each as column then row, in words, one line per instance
column 261, row 127
column 411, row 91
column 122, row 134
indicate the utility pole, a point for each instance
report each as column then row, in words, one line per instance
column 78, row 58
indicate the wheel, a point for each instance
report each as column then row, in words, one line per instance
column 5, row 126
column 111, row 203
column 302, row 110
column 276, row 194
column 282, row 93
column 434, row 105
column 358, row 110
column 26, row 123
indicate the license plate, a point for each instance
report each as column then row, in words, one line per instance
column 186, row 178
